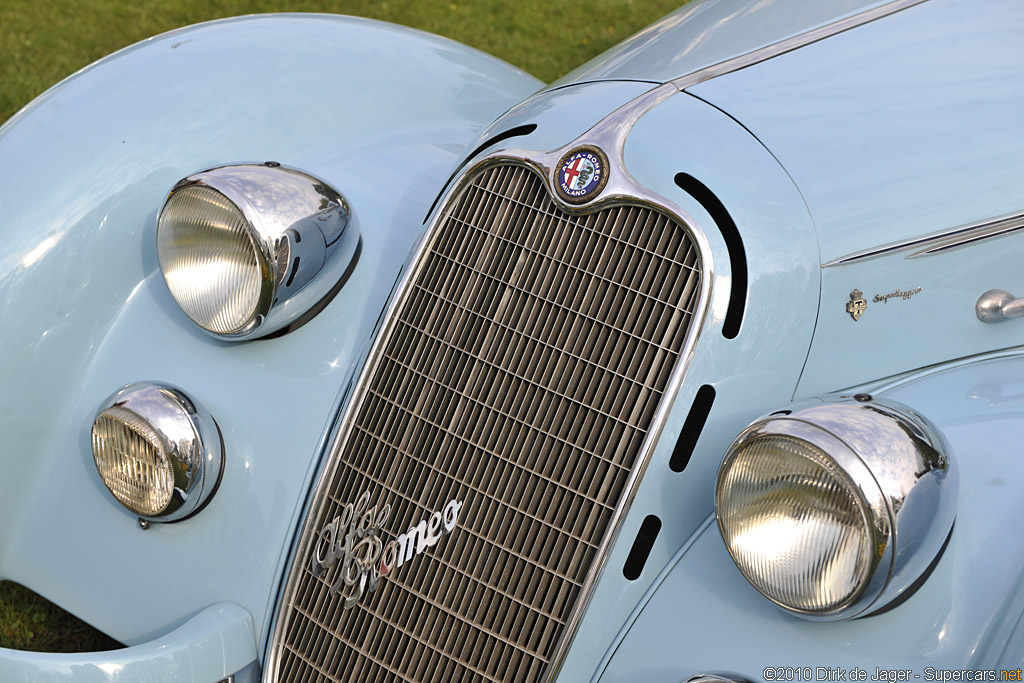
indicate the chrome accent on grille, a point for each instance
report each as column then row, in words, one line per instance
column 519, row 372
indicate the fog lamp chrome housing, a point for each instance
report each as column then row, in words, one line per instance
column 157, row 451
column 836, row 508
column 249, row 249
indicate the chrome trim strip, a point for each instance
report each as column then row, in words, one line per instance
column 789, row 44
column 942, row 241
column 978, row 232
column 610, row 135
column 343, row 431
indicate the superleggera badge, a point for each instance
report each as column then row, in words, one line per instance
column 581, row 175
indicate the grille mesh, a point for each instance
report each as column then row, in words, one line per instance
column 519, row 375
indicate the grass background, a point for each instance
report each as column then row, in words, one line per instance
column 42, row 42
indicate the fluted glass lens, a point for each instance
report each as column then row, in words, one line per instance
column 795, row 524
column 211, row 264
column 132, row 461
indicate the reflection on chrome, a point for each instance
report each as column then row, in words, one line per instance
column 158, row 451
column 836, row 508
column 997, row 305
column 247, row 250
column 353, row 539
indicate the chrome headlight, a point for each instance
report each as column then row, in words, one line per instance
column 157, row 451
column 837, row 508
column 246, row 250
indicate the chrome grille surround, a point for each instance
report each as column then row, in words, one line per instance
column 457, row 649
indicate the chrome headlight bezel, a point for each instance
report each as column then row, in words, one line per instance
column 186, row 437
column 299, row 231
column 899, row 465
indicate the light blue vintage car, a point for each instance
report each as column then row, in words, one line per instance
column 336, row 351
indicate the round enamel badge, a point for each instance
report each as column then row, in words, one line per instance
column 581, row 175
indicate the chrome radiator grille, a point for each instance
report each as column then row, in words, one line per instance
column 518, row 374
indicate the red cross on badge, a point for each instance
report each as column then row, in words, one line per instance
column 572, row 172
column 581, row 175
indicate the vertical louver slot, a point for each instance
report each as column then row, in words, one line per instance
column 641, row 549
column 692, row 428
column 517, row 376
column 733, row 242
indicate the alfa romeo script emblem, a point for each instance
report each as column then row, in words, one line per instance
column 353, row 539
column 581, row 175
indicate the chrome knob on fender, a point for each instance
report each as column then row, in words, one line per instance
column 997, row 305
column 157, row 451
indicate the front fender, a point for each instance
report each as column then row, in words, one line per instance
column 967, row 615
column 378, row 111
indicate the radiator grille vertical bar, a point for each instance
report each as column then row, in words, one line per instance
column 519, row 374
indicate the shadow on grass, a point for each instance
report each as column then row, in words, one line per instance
column 30, row 622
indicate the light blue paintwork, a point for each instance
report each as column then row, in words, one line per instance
column 705, row 32
column 705, row 616
column 384, row 114
column 378, row 111
column 897, row 335
column 751, row 373
column 889, row 139
column 860, row 119
column 215, row 643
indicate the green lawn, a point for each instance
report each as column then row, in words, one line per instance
column 28, row 622
column 42, row 42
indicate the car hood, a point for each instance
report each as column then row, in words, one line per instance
column 895, row 130
column 705, row 32
column 902, row 137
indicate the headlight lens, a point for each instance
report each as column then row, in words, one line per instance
column 132, row 461
column 835, row 508
column 157, row 451
column 249, row 249
column 211, row 262
column 795, row 524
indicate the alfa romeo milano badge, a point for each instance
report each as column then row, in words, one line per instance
column 581, row 175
